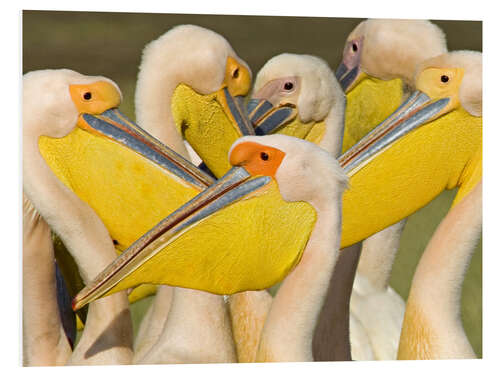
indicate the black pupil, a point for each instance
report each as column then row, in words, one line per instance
column 115, row 242
column 354, row 47
column 264, row 156
column 87, row 96
column 288, row 86
column 444, row 79
column 236, row 73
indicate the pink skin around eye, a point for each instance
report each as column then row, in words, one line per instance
column 275, row 88
column 288, row 85
column 353, row 58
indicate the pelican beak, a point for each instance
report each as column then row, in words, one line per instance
column 97, row 104
column 416, row 111
column 114, row 125
column 349, row 78
column 271, row 116
column 235, row 185
column 267, row 119
column 237, row 84
column 234, row 108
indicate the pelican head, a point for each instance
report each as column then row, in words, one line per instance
column 55, row 100
column 387, row 49
column 58, row 102
column 298, row 95
column 457, row 75
column 187, row 80
column 302, row 171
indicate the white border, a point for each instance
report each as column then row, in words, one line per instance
column 11, row 184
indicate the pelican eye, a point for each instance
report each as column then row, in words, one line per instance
column 264, row 156
column 354, row 47
column 445, row 78
column 115, row 242
column 87, row 96
column 288, row 86
column 236, row 73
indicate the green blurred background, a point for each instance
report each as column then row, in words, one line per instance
column 110, row 44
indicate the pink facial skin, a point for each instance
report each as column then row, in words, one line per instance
column 352, row 53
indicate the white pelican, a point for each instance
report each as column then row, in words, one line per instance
column 290, row 162
column 182, row 91
column 305, row 173
column 379, row 60
column 188, row 63
column 52, row 106
column 453, row 81
column 432, row 326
